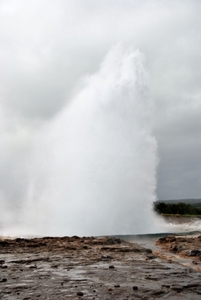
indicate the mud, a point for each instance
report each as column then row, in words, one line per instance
column 91, row 268
column 187, row 247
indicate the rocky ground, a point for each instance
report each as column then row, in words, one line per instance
column 188, row 247
column 96, row 268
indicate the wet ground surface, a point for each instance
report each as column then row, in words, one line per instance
column 91, row 268
column 186, row 249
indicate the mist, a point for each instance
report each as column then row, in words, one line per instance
column 92, row 169
column 49, row 49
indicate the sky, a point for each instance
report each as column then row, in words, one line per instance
column 47, row 47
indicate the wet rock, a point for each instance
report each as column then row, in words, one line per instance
column 167, row 239
column 174, row 248
column 158, row 292
column 70, row 248
column 113, row 241
column 182, row 246
column 75, row 237
column 111, row 267
column 195, row 252
column 2, row 262
column 150, row 277
column 4, row 267
column 192, row 285
column 125, row 249
column 33, row 267
column 177, row 288
column 54, row 266
column 4, row 243
column 149, row 251
column 165, row 286
column 151, row 256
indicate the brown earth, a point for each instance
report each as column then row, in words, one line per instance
column 183, row 246
column 92, row 268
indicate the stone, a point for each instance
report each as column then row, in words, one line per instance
column 84, row 272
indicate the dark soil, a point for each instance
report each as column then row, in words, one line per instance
column 91, row 268
column 184, row 246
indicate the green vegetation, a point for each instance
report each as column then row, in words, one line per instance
column 177, row 209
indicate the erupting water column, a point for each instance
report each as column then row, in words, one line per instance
column 95, row 164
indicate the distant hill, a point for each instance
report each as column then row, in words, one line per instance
column 194, row 202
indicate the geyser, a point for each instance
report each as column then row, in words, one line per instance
column 93, row 167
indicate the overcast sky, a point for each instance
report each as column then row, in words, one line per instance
column 48, row 46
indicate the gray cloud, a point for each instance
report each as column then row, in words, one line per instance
column 179, row 150
column 48, row 47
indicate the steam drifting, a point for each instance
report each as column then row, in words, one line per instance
column 92, row 169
